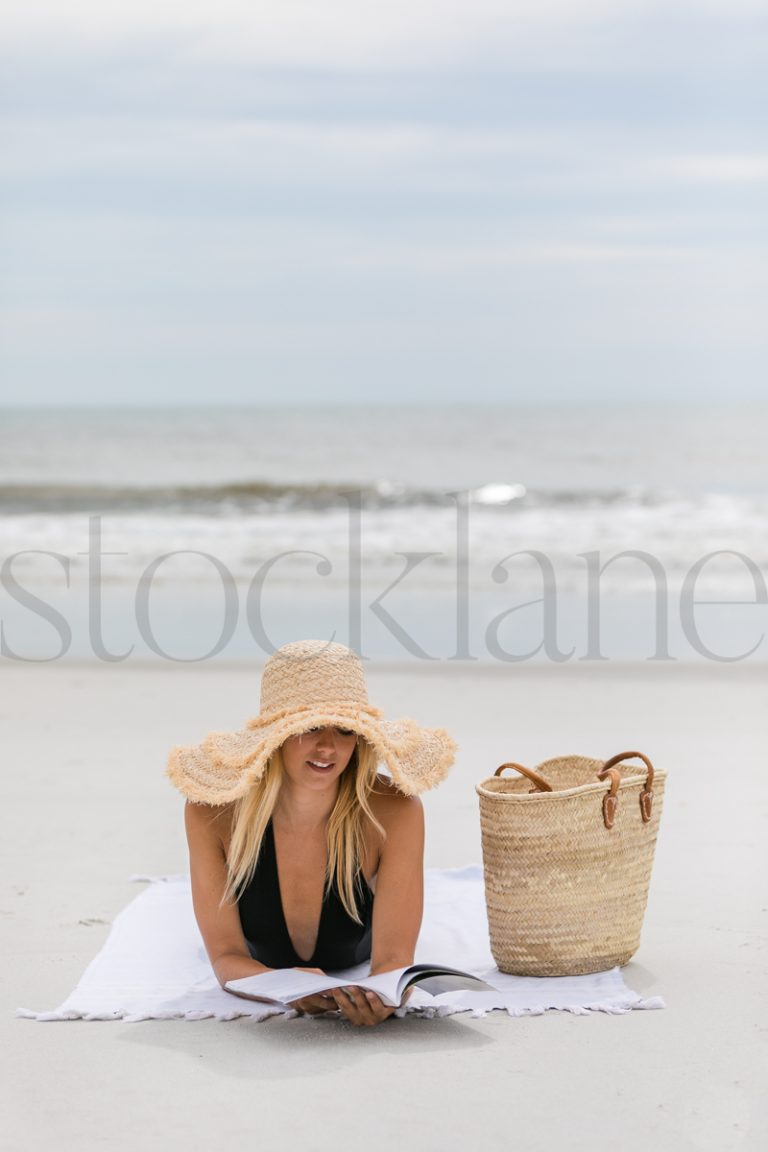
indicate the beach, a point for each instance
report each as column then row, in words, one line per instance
column 87, row 805
column 438, row 332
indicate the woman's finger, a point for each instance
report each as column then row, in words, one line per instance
column 380, row 1010
column 319, row 1002
column 360, row 1007
column 377, row 1006
column 346, row 1003
column 314, row 1005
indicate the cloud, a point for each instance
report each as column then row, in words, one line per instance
column 449, row 195
column 356, row 34
column 714, row 168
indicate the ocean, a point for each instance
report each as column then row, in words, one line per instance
column 413, row 533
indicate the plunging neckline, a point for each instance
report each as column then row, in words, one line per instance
column 342, row 937
column 323, row 906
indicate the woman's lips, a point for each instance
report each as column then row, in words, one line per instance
column 320, row 765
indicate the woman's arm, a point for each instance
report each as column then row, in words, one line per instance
column 219, row 926
column 398, row 906
column 399, row 902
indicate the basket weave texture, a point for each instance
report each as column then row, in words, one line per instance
column 566, row 894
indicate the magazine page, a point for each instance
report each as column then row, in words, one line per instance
column 437, row 978
column 282, row 985
column 388, row 986
column 437, row 982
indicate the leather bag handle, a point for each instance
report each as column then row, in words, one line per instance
column 646, row 795
column 611, row 798
column 542, row 785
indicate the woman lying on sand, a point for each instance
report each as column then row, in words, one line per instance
column 291, row 829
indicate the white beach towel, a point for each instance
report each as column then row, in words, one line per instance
column 153, row 965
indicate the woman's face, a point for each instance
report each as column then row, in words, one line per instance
column 316, row 759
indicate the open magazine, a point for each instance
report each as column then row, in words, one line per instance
column 283, row 985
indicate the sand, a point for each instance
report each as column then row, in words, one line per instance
column 86, row 804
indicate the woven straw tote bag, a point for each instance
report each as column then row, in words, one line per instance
column 567, row 862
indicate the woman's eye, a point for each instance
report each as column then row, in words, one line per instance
column 340, row 731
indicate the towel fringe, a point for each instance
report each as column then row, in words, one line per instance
column 428, row 1012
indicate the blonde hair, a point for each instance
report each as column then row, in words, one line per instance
column 346, row 826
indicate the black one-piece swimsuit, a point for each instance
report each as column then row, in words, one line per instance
column 341, row 943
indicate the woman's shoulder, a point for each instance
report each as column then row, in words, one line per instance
column 213, row 821
column 388, row 803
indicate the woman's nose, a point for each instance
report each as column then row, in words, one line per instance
column 326, row 738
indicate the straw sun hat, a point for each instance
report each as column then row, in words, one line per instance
column 309, row 684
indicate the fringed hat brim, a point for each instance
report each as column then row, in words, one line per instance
column 227, row 764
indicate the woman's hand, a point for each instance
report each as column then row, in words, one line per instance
column 314, row 1005
column 361, row 1006
column 358, row 1005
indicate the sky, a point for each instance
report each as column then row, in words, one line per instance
column 272, row 201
